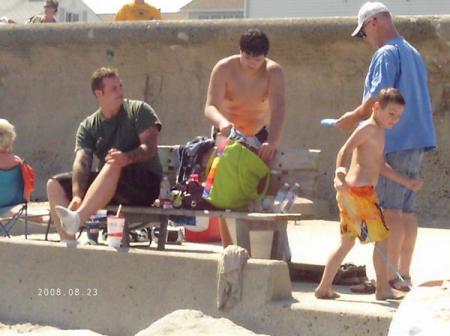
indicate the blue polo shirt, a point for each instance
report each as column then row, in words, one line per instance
column 398, row 64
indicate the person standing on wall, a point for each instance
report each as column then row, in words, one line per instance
column 138, row 10
column 50, row 10
column 396, row 63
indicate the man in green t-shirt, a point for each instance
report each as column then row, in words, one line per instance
column 123, row 135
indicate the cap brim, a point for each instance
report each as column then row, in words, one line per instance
column 357, row 30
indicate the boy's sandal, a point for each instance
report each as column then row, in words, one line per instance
column 397, row 283
column 366, row 287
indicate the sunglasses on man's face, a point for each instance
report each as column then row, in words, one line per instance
column 361, row 34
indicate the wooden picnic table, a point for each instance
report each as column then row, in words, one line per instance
column 240, row 223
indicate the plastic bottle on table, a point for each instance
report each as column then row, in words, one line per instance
column 290, row 198
column 279, row 198
column 267, row 203
column 194, row 177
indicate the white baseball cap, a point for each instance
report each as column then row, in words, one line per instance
column 368, row 10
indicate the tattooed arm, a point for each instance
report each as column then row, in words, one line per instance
column 146, row 150
column 80, row 176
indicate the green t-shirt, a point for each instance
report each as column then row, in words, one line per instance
column 122, row 132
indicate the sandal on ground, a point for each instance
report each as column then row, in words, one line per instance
column 398, row 284
column 366, row 287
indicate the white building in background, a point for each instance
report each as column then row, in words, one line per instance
column 214, row 9
column 324, row 8
column 76, row 10
column 68, row 11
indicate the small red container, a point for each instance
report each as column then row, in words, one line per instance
column 211, row 234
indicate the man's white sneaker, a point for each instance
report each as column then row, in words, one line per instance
column 70, row 242
column 70, row 220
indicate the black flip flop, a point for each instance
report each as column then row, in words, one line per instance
column 366, row 287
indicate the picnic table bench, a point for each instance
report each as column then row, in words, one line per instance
column 290, row 165
column 240, row 224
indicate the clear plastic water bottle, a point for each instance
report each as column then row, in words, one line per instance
column 279, row 198
column 164, row 190
column 267, row 203
column 290, row 198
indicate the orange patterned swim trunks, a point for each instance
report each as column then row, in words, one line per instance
column 361, row 216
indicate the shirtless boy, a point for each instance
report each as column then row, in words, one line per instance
column 360, row 213
column 246, row 91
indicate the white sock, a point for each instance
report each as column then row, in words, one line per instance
column 70, row 220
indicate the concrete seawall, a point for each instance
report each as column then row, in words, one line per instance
column 45, row 72
column 120, row 293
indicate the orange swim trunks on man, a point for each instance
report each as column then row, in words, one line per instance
column 361, row 216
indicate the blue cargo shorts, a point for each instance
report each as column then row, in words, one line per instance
column 394, row 196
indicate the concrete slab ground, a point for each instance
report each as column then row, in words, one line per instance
column 311, row 242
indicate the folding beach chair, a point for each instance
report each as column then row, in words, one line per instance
column 16, row 186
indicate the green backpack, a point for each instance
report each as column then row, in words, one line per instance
column 234, row 177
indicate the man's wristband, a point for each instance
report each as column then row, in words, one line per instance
column 342, row 170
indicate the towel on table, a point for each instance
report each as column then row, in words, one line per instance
column 229, row 272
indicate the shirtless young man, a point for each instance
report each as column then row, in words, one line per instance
column 360, row 213
column 247, row 92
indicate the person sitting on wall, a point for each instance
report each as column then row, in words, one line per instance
column 247, row 92
column 138, row 10
column 123, row 134
column 50, row 10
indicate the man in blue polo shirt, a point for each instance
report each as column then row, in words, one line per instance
column 396, row 64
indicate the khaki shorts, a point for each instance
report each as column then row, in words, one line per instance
column 394, row 196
